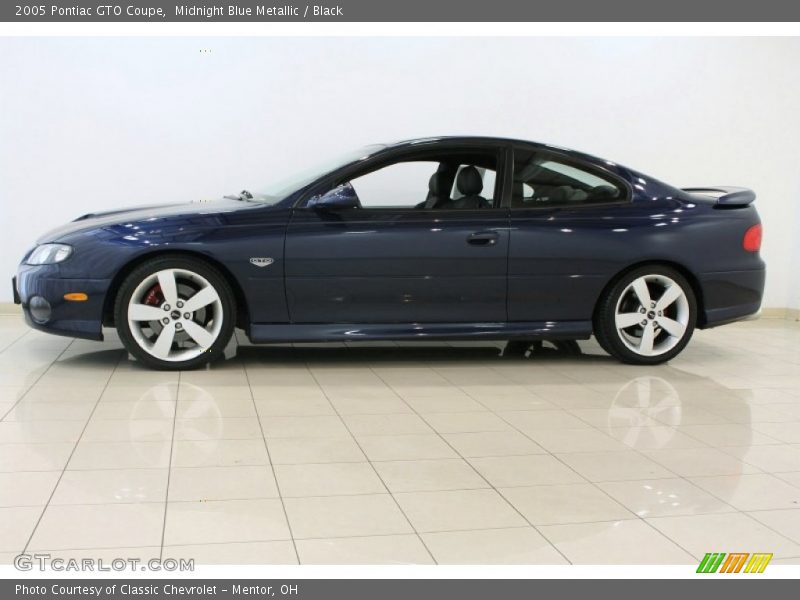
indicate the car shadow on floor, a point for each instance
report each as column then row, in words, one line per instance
column 377, row 352
column 413, row 353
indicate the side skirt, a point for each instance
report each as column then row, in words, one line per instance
column 268, row 333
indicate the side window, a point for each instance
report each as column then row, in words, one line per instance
column 445, row 182
column 400, row 185
column 541, row 180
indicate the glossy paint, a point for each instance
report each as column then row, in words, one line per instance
column 341, row 273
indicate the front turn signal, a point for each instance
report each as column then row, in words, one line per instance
column 76, row 297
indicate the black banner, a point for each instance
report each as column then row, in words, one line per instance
column 404, row 11
column 739, row 588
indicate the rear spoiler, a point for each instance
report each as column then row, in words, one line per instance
column 726, row 195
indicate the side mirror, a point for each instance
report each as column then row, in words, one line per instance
column 339, row 198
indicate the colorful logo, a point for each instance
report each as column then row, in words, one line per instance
column 734, row 562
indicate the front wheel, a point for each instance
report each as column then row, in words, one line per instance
column 175, row 313
column 647, row 317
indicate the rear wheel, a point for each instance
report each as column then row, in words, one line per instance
column 175, row 313
column 647, row 317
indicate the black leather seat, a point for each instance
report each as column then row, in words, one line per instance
column 437, row 190
column 470, row 183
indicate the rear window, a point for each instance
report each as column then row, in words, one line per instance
column 541, row 180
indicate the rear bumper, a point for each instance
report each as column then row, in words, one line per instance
column 63, row 317
column 731, row 296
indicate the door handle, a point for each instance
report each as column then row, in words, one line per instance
column 483, row 238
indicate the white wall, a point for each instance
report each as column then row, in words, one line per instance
column 87, row 124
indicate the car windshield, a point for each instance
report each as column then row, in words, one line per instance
column 278, row 190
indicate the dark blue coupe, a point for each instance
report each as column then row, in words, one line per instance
column 454, row 238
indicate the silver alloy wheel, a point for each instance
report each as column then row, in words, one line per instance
column 175, row 315
column 652, row 315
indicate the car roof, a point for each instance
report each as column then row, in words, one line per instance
column 491, row 140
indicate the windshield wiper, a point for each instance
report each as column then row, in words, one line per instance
column 243, row 195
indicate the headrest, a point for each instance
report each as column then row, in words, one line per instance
column 469, row 181
column 437, row 184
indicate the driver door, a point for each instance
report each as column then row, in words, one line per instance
column 392, row 260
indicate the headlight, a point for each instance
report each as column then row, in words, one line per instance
column 47, row 254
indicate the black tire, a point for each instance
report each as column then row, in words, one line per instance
column 605, row 329
column 197, row 266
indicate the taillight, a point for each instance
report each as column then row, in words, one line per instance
column 752, row 239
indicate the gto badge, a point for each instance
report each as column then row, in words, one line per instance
column 262, row 262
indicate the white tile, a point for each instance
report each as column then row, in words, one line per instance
column 16, row 525
column 515, row 471
column 575, row 440
column 289, row 406
column 289, row 451
column 310, row 426
column 614, row 466
column 54, row 411
column 404, row 447
column 111, row 486
column 614, row 417
column 233, row 428
column 531, row 420
column 221, row 483
column 236, row 553
column 699, row 534
column 492, row 443
column 132, row 390
column 225, row 521
column 219, row 453
column 345, row 516
column 442, row 403
column 142, row 554
column 129, row 411
column 214, row 401
column 664, row 497
column 120, row 455
column 728, row 434
column 782, row 432
column 223, row 408
column 225, row 374
column 22, row 432
column 792, row 478
column 34, row 457
column 390, row 424
column 466, row 422
column 615, row 542
column 375, row 550
column 786, row 522
column 758, row 491
column 569, row 503
column 769, row 458
column 27, row 488
column 332, row 479
column 458, row 510
column 654, row 437
column 515, row 546
column 429, row 475
column 136, row 430
column 99, row 526
column 699, row 462
column 388, row 404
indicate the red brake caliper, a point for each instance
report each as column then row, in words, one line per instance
column 154, row 297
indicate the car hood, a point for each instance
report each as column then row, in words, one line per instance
column 155, row 212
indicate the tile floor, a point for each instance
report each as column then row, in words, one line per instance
column 395, row 453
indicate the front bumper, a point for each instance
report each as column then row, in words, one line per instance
column 73, row 319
